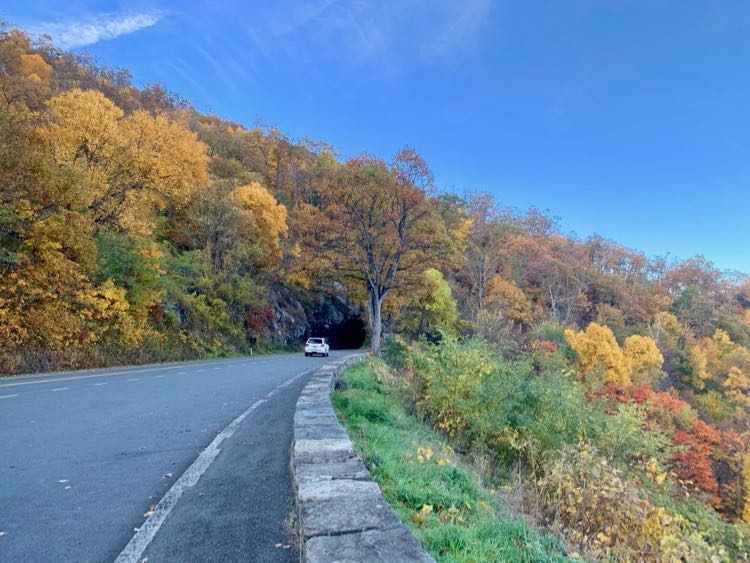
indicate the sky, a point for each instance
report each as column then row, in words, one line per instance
column 628, row 119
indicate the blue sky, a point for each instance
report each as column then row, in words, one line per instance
column 625, row 118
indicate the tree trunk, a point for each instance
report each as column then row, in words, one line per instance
column 374, row 304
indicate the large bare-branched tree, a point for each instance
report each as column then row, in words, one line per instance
column 383, row 226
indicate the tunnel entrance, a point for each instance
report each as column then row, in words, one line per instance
column 348, row 334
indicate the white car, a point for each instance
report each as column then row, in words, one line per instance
column 315, row 346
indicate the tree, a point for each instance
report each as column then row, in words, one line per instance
column 505, row 312
column 383, row 227
column 599, row 353
column 24, row 75
column 552, row 271
column 746, row 483
column 694, row 367
column 510, row 299
column 264, row 217
column 737, row 385
column 129, row 167
column 645, row 358
column 432, row 311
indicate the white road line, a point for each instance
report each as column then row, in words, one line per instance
column 60, row 389
column 133, row 552
column 39, row 379
column 216, row 368
column 98, row 384
column 159, row 376
column 135, row 379
column 8, row 396
column 184, row 372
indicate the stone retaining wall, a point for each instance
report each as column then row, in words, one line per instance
column 342, row 514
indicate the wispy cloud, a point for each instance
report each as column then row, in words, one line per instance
column 460, row 30
column 95, row 28
column 381, row 33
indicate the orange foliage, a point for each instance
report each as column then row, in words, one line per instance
column 669, row 403
column 509, row 297
column 693, row 462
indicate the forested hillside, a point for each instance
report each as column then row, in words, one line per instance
column 134, row 228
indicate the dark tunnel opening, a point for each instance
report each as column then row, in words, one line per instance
column 349, row 334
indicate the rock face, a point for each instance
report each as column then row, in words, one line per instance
column 329, row 315
column 342, row 513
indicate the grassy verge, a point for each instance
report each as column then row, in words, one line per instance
column 443, row 502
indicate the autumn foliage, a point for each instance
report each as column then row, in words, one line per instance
column 134, row 228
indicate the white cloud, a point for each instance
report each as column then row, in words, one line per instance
column 383, row 33
column 96, row 28
column 465, row 21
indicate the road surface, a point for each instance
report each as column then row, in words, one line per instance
column 86, row 455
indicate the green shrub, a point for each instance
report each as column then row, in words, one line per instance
column 496, row 406
column 443, row 501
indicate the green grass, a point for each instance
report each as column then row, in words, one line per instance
column 466, row 522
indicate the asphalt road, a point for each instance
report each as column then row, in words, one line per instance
column 85, row 455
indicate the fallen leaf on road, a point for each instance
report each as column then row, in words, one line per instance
column 68, row 487
column 150, row 511
column 201, row 494
column 167, row 475
column 3, row 534
column 63, row 481
column 143, row 560
column 136, row 529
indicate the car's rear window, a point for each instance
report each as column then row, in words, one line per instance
column 315, row 341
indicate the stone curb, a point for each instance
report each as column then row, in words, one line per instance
column 341, row 513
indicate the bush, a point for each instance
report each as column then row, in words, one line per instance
column 607, row 516
column 441, row 499
column 534, row 413
column 495, row 406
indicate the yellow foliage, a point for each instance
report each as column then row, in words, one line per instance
column 84, row 128
column 421, row 516
column 267, row 214
column 24, row 76
column 746, row 486
column 35, row 69
column 599, row 353
column 12, row 329
column 105, row 302
column 722, row 343
column 645, row 358
column 424, row 454
column 607, row 516
column 699, row 367
column 737, row 385
column 131, row 166
column 510, row 298
column 654, row 471
column 462, row 229
column 666, row 325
